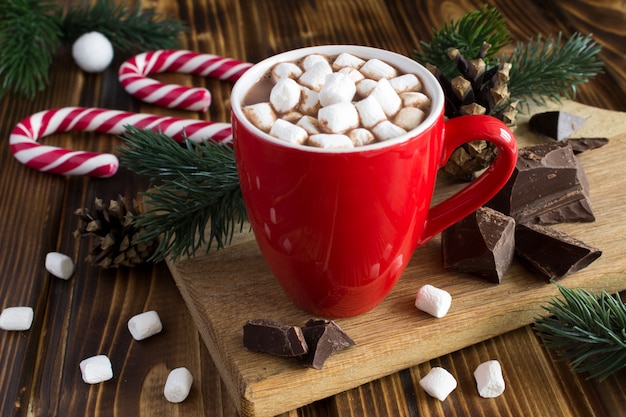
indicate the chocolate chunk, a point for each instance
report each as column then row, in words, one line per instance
column 551, row 254
column 580, row 145
column 324, row 337
column 261, row 335
column 556, row 124
column 481, row 244
column 547, row 186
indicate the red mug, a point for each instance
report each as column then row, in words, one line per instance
column 338, row 227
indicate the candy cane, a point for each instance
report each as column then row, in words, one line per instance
column 132, row 75
column 27, row 150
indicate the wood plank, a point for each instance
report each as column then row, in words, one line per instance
column 224, row 289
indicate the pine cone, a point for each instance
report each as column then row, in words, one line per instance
column 115, row 237
column 477, row 90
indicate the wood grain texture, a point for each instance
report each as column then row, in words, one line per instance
column 87, row 315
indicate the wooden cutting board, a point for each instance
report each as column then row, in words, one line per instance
column 224, row 289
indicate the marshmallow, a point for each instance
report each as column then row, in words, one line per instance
column 386, row 130
column 338, row 88
column 405, row 83
column 96, row 369
column 489, row 380
column 433, row 301
column 309, row 124
column 370, row 111
column 330, row 141
column 377, row 70
column 360, row 136
column 310, row 60
column 387, row 97
column 145, row 325
column 438, row 383
column 314, row 77
column 365, row 87
column 415, row 99
column 16, row 318
column 178, row 385
column 286, row 70
column 338, row 118
column 285, row 95
column 309, row 101
column 288, row 132
column 261, row 115
column 59, row 265
column 292, row 116
column 409, row 118
column 346, row 60
column 354, row 74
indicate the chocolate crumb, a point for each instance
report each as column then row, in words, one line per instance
column 324, row 337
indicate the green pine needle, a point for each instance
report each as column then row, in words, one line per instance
column 29, row 36
column 467, row 35
column 126, row 27
column 192, row 186
column 552, row 69
column 586, row 330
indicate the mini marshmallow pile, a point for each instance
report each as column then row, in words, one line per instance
column 347, row 103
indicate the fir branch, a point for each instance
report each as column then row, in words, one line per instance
column 552, row 69
column 126, row 27
column 586, row 330
column 29, row 36
column 468, row 35
column 192, row 186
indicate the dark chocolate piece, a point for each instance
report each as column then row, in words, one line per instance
column 481, row 244
column 551, row 254
column 580, row 145
column 556, row 124
column 261, row 335
column 547, row 186
column 324, row 337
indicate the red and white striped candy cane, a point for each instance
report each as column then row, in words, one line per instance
column 27, row 150
column 133, row 77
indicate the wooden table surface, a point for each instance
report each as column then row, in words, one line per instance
column 88, row 314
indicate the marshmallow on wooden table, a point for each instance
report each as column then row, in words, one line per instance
column 489, row 380
column 285, row 95
column 409, row 118
column 376, row 69
column 346, row 60
column 286, row 70
column 433, row 301
column 370, row 111
column 330, row 141
column 261, row 115
column 178, row 385
column 59, row 265
column 288, row 132
column 337, row 88
column 387, row 97
column 386, row 130
column 96, row 369
column 438, row 383
column 144, row 325
column 16, row 318
column 338, row 118
column 314, row 77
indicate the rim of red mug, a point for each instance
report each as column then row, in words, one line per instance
column 401, row 62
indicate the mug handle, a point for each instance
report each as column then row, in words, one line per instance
column 460, row 130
